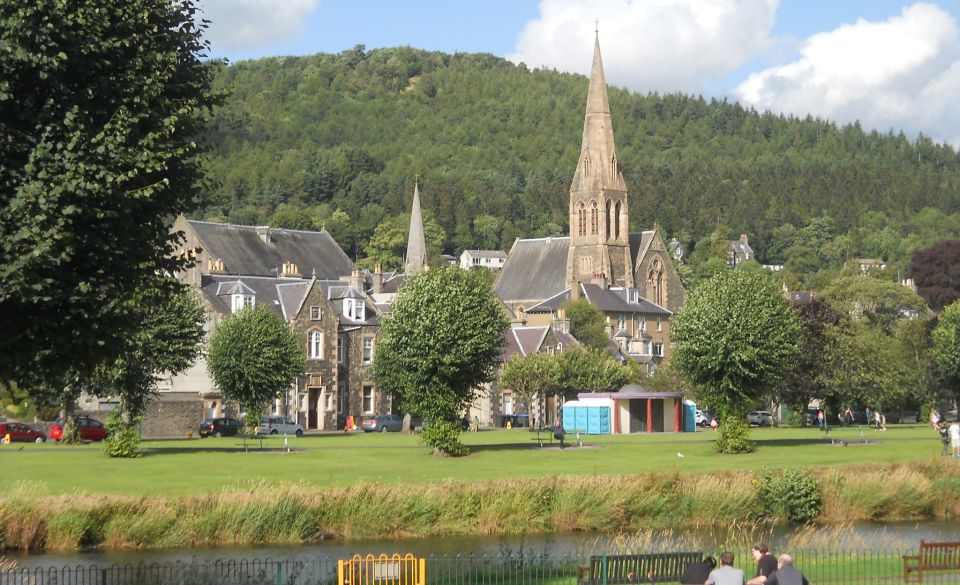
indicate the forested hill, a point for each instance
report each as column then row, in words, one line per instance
column 495, row 146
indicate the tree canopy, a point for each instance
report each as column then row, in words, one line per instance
column 587, row 323
column 936, row 272
column 441, row 342
column 946, row 343
column 735, row 336
column 253, row 358
column 102, row 106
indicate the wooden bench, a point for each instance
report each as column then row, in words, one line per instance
column 933, row 556
column 638, row 568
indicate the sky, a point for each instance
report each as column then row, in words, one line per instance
column 890, row 64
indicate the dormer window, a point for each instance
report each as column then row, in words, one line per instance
column 240, row 302
column 354, row 309
column 316, row 313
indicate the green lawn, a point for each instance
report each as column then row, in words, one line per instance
column 208, row 465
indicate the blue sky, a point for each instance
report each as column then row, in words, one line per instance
column 888, row 63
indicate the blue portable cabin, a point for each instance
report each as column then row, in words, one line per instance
column 633, row 409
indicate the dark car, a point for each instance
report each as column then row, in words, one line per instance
column 21, row 433
column 382, row 423
column 90, row 429
column 220, row 427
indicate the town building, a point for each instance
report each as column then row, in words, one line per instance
column 489, row 259
column 740, row 251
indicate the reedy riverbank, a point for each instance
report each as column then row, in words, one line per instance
column 264, row 513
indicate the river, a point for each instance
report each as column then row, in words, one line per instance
column 863, row 536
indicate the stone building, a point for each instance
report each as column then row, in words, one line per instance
column 629, row 275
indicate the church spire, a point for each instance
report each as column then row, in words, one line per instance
column 416, row 243
column 599, row 219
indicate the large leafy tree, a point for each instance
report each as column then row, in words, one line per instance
column 802, row 381
column 946, row 343
column 253, row 357
column 589, row 370
column 101, row 107
column 441, row 342
column 936, row 272
column 587, row 323
column 735, row 337
column 864, row 366
column 531, row 377
column 880, row 302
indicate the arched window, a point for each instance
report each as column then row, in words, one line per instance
column 581, row 220
column 660, row 288
column 608, row 234
column 316, row 345
column 594, row 218
column 616, row 221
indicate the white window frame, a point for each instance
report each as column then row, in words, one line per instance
column 340, row 349
column 341, row 401
column 657, row 349
column 659, row 323
column 354, row 309
column 368, row 350
column 622, row 321
column 316, row 313
column 238, row 302
column 369, row 401
column 329, row 405
column 315, row 344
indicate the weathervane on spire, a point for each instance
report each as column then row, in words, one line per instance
column 596, row 26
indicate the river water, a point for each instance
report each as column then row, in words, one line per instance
column 862, row 536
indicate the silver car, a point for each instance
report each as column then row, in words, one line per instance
column 278, row 425
column 761, row 418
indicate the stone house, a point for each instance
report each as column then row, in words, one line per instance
column 740, row 251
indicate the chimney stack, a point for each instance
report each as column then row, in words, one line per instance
column 377, row 284
column 290, row 270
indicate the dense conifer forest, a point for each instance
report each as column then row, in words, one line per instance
column 336, row 140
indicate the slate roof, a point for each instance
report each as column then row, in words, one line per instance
column 535, row 270
column 638, row 241
column 486, row 253
column 529, row 340
column 616, row 300
column 218, row 288
column 741, row 249
column 243, row 251
column 393, row 283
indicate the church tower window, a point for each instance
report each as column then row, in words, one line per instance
column 608, row 234
column 594, row 218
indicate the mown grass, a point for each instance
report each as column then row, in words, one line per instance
column 208, row 493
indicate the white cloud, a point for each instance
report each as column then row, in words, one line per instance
column 902, row 73
column 650, row 45
column 245, row 24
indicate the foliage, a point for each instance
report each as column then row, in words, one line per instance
column 915, row 339
column 493, row 138
column 101, row 108
column 587, row 370
column 802, row 380
column 444, row 437
column 167, row 341
column 123, row 439
column 587, row 323
column 441, row 342
column 936, row 272
column 735, row 336
column 734, row 436
column 795, row 495
column 253, row 357
column 531, row 377
column 388, row 244
column 880, row 302
column 946, row 342
column 864, row 366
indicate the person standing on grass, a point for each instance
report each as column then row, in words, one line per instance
column 786, row 573
column 821, row 418
column 944, row 439
column 725, row 574
column 955, row 439
column 766, row 564
column 934, row 419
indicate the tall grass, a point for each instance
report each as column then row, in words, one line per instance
column 268, row 513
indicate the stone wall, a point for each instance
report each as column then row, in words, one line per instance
column 172, row 415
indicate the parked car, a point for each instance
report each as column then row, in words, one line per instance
column 90, row 429
column 21, row 433
column 278, row 425
column 220, row 427
column 761, row 418
column 382, row 423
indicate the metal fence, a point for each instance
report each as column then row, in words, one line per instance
column 820, row 567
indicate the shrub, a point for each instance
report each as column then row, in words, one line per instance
column 796, row 495
column 734, row 437
column 123, row 439
column 444, row 437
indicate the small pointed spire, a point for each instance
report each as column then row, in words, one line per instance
column 597, row 102
column 416, row 242
column 597, row 168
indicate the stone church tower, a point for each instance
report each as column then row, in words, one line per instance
column 599, row 243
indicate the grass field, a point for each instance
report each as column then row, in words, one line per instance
column 203, row 466
column 209, row 492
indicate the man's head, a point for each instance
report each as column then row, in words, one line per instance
column 710, row 562
column 726, row 558
column 758, row 551
column 785, row 560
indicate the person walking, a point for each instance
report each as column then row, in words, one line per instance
column 821, row 418
column 786, row 573
column 766, row 564
column 934, row 419
column 725, row 574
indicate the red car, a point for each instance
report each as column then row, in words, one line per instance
column 90, row 429
column 21, row 433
